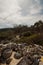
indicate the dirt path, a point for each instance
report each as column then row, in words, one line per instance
column 14, row 61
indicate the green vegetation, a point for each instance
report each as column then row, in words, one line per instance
column 30, row 35
column 33, row 39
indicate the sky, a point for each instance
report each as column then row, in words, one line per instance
column 25, row 12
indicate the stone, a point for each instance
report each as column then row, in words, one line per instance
column 8, row 61
column 17, row 55
column 6, row 53
column 25, row 61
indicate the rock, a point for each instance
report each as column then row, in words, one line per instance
column 1, row 47
column 14, row 46
column 5, row 42
column 17, row 55
column 8, row 61
column 26, row 60
column 22, row 62
column 37, row 56
column 6, row 53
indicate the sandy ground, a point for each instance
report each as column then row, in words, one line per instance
column 14, row 61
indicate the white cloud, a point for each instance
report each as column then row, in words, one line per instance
column 19, row 12
column 8, row 7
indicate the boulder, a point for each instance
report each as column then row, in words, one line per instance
column 6, row 53
column 8, row 61
column 26, row 60
column 14, row 46
column 37, row 56
column 17, row 55
column 1, row 47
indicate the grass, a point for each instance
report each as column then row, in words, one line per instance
column 35, row 38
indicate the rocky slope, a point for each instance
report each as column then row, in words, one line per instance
column 20, row 54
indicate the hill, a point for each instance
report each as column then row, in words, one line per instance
column 32, row 34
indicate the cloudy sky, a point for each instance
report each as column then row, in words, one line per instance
column 20, row 12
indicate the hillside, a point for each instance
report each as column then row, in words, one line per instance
column 25, row 33
column 22, row 45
